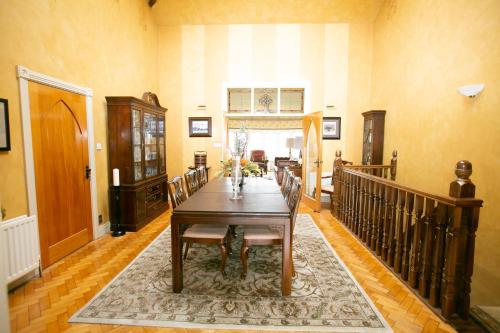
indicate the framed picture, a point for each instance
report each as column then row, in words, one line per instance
column 4, row 125
column 331, row 128
column 200, row 126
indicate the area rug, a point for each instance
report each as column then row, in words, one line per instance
column 325, row 296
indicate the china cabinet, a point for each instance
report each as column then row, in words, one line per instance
column 136, row 146
column 373, row 137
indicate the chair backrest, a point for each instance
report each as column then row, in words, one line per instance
column 191, row 181
column 283, row 181
column 202, row 176
column 294, row 198
column 176, row 191
column 257, row 156
column 288, row 184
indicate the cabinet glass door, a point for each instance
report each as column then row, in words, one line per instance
column 136, row 144
column 161, row 143
column 367, row 142
column 150, row 145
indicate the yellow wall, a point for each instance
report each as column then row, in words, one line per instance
column 195, row 61
column 423, row 51
column 108, row 46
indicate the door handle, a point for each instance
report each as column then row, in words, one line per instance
column 87, row 172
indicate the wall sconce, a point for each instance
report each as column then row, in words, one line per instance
column 471, row 90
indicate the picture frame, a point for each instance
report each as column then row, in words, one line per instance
column 331, row 128
column 4, row 125
column 200, row 127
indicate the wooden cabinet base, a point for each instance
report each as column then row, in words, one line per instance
column 140, row 204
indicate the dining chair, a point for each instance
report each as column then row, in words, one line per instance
column 202, row 175
column 192, row 184
column 267, row 235
column 200, row 233
column 284, row 180
column 288, row 184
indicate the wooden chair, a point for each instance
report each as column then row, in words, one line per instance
column 192, row 184
column 201, row 173
column 288, row 185
column 200, row 233
column 286, row 173
column 267, row 235
column 329, row 189
column 259, row 158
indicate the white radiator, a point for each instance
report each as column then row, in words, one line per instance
column 20, row 246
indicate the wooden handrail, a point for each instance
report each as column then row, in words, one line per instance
column 427, row 239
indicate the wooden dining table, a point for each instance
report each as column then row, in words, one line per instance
column 261, row 204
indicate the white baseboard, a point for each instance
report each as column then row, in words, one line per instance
column 103, row 229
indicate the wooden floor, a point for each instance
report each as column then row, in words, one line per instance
column 45, row 304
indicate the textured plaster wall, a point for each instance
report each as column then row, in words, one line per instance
column 195, row 60
column 423, row 50
column 108, row 46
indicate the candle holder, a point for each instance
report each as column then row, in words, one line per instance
column 117, row 216
column 235, row 178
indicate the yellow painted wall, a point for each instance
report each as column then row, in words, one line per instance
column 195, row 61
column 108, row 46
column 423, row 51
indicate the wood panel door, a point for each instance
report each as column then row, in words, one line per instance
column 62, row 174
column 312, row 161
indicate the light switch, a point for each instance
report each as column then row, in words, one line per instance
column 98, row 146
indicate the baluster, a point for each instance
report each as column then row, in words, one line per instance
column 410, row 197
column 415, row 252
column 351, row 201
column 459, row 246
column 438, row 254
column 357, row 194
column 341, row 195
column 386, row 221
column 381, row 210
column 394, row 164
column 336, row 190
column 345, row 196
column 347, row 199
column 369, row 214
column 385, row 172
column 391, row 244
column 337, row 165
column 366, row 210
column 376, row 201
column 425, row 265
column 361, row 222
column 399, row 232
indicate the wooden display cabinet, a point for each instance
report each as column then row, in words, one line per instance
column 373, row 137
column 136, row 146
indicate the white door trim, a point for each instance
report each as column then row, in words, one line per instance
column 24, row 74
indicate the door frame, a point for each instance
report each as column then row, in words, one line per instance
column 24, row 75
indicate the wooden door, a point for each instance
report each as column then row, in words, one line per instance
column 62, row 177
column 312, row 159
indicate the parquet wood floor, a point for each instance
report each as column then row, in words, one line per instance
column 44, row 304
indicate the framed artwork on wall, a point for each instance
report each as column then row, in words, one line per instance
column 331, row 128
column 200, row 126
column 4, row 125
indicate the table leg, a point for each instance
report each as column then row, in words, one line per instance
column 177, row 279
column 286, row 274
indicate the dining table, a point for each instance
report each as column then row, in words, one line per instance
column 261, row 203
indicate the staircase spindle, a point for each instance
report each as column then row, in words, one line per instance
column 381, row 210
column 415, row 252
column 438, row 254
column 393, row 204
column 375, row 218
column 400, row 232
column 427, row 248
column 410, row 197
column 386, row 222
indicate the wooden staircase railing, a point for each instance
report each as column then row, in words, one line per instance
column 425, row 238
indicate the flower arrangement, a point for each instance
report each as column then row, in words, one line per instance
column 247, row 168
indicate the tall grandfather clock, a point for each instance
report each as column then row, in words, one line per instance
column 373, row 137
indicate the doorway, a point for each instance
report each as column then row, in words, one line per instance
column 60, row 163
column 312, row 161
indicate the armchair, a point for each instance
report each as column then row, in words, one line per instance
column 259, row 158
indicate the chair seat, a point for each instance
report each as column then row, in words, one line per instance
column 327, row 189
column 206, row 231
column 260, row 232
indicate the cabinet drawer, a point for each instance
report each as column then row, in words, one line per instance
column 154, row 188
column 154, row 198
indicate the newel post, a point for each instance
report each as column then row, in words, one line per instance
column 394, row 164
column 337, row 165
column 460, row 238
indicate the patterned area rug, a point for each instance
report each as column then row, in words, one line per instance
column 325, row 296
